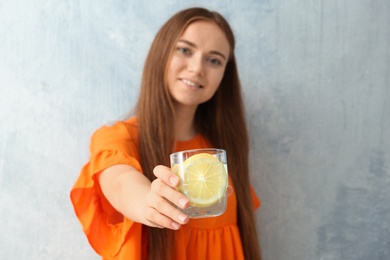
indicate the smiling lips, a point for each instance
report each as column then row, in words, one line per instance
column 191, row 83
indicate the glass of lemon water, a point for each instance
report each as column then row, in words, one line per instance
column 203, row 180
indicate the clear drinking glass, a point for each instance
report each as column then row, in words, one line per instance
column 203, row 180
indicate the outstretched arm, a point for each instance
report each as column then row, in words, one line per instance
column 150, row 203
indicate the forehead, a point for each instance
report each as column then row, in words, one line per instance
column 207, row 34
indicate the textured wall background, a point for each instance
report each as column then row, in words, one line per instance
column 317, row 89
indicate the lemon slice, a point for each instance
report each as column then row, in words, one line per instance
column 203, row 179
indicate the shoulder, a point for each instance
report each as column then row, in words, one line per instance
column 119, row 132
column 123, row 128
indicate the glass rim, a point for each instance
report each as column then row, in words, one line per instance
column 218, row 150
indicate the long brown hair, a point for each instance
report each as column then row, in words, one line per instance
column 221, row 120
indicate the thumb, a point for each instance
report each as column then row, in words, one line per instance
column 229, row 190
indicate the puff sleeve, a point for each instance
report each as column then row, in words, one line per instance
column 106, row 229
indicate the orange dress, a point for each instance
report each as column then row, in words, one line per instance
column 114, row 236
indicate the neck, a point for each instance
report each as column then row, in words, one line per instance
column 184, row 123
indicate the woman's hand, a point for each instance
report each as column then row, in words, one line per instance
column 133, row 195
column 162, row 199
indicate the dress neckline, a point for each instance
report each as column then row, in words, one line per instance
column 189, row 140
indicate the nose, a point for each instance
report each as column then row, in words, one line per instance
column 195, row 65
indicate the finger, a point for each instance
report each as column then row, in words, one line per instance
column 165, row 213
column 158, row 220
column 169, row 193
column 164, row 173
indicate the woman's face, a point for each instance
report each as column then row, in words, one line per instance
column 197, row 64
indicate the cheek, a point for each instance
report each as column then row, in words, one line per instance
column 174, row 65
column 214, row 84
column 216, row 79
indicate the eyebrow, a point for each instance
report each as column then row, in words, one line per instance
column 194, row 46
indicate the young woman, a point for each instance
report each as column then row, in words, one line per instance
column 125, row 197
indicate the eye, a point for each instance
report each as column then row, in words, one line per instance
column 214, row 61
column 184, row 50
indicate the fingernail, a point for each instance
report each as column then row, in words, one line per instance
column 173, row 180
column 175, row 225
column 182, row 218
column 183, row 202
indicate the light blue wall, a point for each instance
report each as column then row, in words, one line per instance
column 316, row 83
